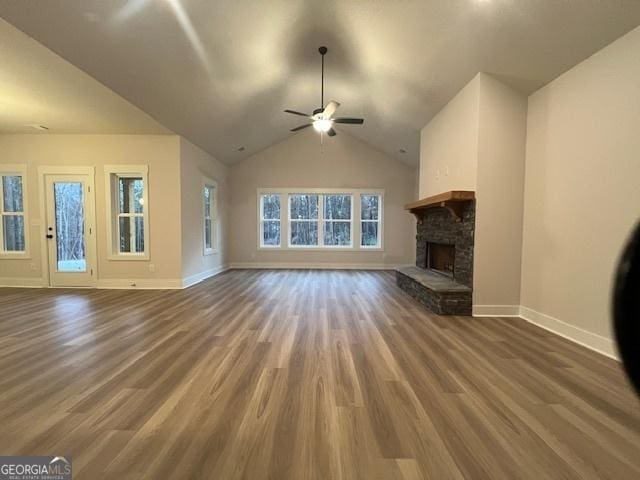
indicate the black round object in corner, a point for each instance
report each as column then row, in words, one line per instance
column 626, row 308
column 323, row 50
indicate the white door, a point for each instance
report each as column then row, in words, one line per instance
column 70, row 230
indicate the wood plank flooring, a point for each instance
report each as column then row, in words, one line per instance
column 302, row 375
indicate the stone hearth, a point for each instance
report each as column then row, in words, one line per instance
column 435, row 291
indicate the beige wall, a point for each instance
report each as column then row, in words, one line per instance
column 195, row 165
column 160, row 152
column 449, row 145
column 343, row 162
column 502, row 128
column 582, row 185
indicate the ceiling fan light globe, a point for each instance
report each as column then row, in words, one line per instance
column 322, row 125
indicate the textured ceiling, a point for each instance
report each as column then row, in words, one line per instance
column 220, row 73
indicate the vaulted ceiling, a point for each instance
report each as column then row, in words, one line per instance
column 40, row 89
column 221, row 72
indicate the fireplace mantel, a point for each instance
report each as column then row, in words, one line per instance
column 453, row 201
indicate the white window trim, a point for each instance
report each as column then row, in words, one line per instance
column 355, row 214
column 17, row 170
column 261, row 220
column 215, row 246
column 112, row 209
column 379, row 221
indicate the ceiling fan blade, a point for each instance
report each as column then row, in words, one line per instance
column 331, row 132
column 353, row 121
column 298, row 113
column 301, row 127
column 330, row 109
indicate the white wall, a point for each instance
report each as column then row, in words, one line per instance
column 449, row 144
column 502, row 128
column 343, row 162
column 582, row 190
column 195, row 165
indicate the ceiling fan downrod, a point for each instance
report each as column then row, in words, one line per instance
column 323, row 51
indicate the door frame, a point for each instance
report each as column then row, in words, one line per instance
column 90, row 208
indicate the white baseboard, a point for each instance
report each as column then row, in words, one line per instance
column 140, row 283
column 595, row 342
column 22, row 282
column 314, row 266
column 496, row 310
column 198, row 277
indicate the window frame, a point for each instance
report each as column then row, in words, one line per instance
column 15, row 170
column 213, row 217
column 285, row 220
column 112, row 174
column 261, row 220
column 379, row 221
column 333, row 220
column 318, row 221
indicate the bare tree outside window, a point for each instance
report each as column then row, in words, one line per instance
column 130, row 214
column 12, row 214
column 69, row 211
column 270, row 220
column 303, row 211
column 210, row 213
column 337, row 220
column 370, row 220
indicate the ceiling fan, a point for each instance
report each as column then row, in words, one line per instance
column 322, row 119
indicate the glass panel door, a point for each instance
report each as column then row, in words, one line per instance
column 70, row 234
column 69, row 213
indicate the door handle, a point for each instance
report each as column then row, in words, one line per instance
column 49, row 235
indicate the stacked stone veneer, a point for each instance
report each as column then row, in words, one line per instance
column 438, row 225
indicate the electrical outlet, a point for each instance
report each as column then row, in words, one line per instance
column 446, row 171
column 152, row 267
column 33, row 266
column 438, row 174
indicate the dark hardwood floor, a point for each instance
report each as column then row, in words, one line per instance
column 302, row 374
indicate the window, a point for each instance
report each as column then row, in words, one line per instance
column 127, row 191
column 13, row 230
column 210, row 216
column 320, row 219
column 269, row 220
column 370, row 218
column 303, row 220
column 337, row 220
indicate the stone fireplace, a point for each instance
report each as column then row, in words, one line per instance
column 442, row 278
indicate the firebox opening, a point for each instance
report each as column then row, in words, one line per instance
column 441, row 258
